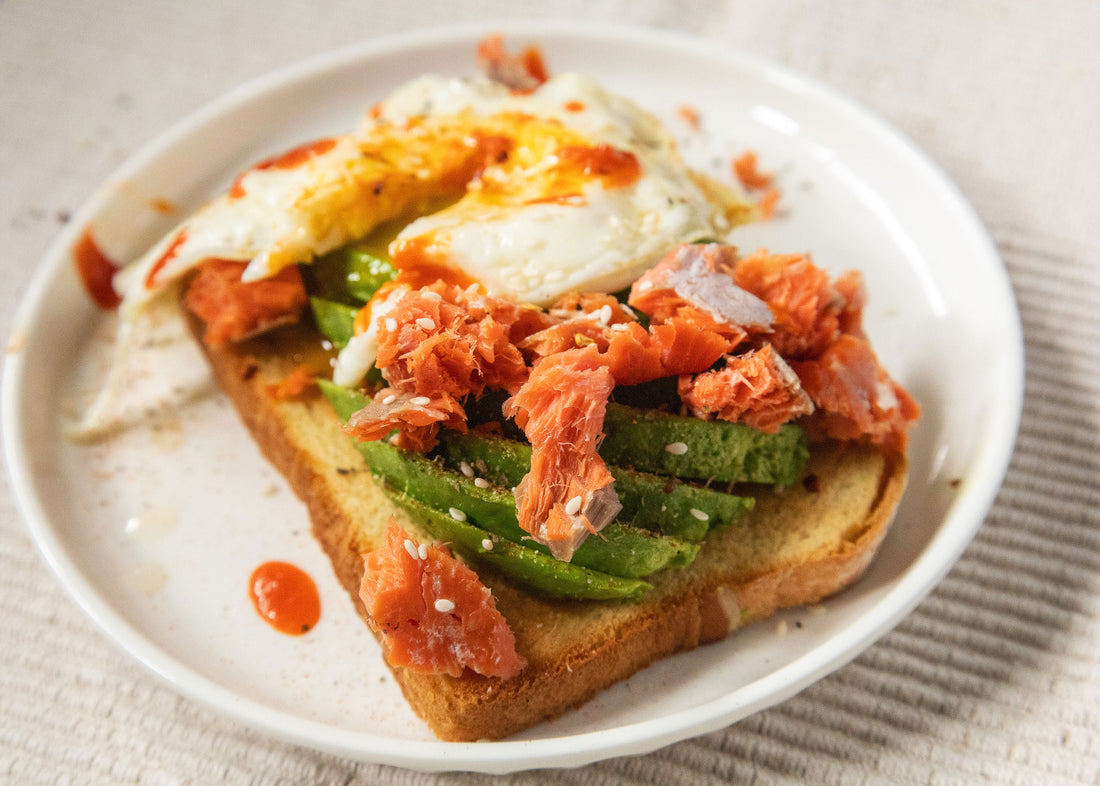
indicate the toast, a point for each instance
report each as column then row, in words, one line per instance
column 797, row 546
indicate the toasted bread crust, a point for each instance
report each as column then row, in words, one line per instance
column 796, row 547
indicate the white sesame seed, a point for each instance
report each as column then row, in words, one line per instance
column 677, row 448
column 699, row 514
column 411, row 548
column 481, row 483
column 332, row 362
column 423, row 551
column 573, row 505
column 487, row 544
column 430, row 295
column 457, row 514
column 389, row 399
column 465, row 468
column 443, row 605
column 426, row 322
column 619, row 327
column 391, row 324
column 605, row 313
column 420, row 401
column 644, row 286
column 326, row 344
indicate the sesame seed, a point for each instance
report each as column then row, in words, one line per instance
column 430, row 295
column 487, row 544
column 465, row 468
column 605, row 313
column 420, row 401
column 332, row 362
column 573, row 505
column 353, row 276
column 389, row 399
column 699, row 514
column 619, row 327
column 391, row 324
column 426, row 322
column 443, row 605
column 411, row 548
column 457, row 514
column 326, row 344
column 423, row 551
column 677, row 448
column 481, row 483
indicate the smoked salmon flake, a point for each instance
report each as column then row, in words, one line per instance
column 855, row 396
column 234, row 310
column 433, row 612
column 757, row 388
column 561, row 410
column 763, row 339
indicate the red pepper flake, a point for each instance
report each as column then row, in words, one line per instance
column 745, row 168
column 689, row 115
column 765, row 206
column 811, row 483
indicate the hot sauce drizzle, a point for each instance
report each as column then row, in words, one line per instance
column 420, row 263
column 288, row 160
column 96, row 271
column 166, row 257
column 286, row 597
column 616, row 168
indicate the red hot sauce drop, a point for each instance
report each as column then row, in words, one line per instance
column 96, row 271
column 286, row 597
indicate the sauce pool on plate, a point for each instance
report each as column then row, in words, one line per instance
column 285, row 597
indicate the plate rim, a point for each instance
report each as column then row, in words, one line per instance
column 964, row 517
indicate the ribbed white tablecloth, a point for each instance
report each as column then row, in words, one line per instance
column 994, row 678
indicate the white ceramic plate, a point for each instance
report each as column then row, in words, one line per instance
column 156, row 533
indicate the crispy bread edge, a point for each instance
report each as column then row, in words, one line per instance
column 693, row 607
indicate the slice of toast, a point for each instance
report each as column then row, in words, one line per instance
column 796, row 547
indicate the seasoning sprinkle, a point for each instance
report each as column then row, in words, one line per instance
column 487, row 544
column 457, row 514
column 391, row 324
column 426, row 322
column 423, row 551
column 677, row 448
column 481, row 483
column 443, row 605
column 420, row 401
column 430, row 295
column 465, row 468
column 699, row 514
column 573, row 505
column 411, row 548
column 389, row 399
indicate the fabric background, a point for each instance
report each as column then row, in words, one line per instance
column 994, row 678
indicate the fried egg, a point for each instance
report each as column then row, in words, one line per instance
column 567, row 187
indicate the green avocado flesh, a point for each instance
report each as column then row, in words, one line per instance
column 463, row 496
